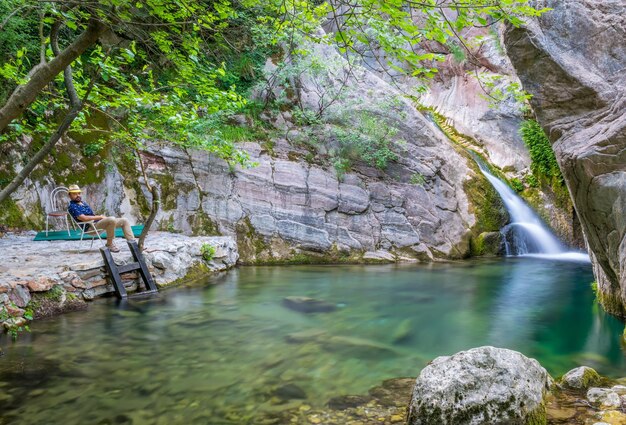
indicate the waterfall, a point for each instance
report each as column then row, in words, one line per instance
column 526, row 234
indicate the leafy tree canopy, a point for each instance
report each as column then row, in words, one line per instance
column 165, row 69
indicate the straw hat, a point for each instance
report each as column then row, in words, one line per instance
column 74, row 188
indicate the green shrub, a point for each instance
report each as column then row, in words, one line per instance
column 207, row 251
column 517, row 185
column 531, row 180
column 543, row 162
column 370, row 141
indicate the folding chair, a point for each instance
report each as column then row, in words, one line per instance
column 55, row 209
column 88, row 228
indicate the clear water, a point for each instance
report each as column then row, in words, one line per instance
column 217, row 354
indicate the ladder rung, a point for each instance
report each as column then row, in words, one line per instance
column 139, row 294
column 128, row 268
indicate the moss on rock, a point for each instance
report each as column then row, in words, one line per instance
column 202, row 225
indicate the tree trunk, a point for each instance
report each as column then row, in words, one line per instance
column 43, row 152
column 156, row 203
column 76, row 107
column 26, row 94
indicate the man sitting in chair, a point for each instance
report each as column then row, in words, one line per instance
column 82, row 212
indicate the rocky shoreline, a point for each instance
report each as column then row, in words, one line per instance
column 581, row 397
column 41, row 279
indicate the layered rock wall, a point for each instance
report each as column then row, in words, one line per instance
column 293, row 206
column 573, row 60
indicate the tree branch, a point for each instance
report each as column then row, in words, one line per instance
column 47, row 148
column 26, row 94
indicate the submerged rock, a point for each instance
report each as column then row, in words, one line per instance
column 308, row 305
column 484, row 385
column 580, row 378
column 289, row 392
column 358, row 347
column 348, row 401
column 308, row 335
column 403, row 332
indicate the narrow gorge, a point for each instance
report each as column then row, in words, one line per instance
column 342, row 213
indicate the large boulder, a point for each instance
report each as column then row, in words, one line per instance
column 572, row 61
column 484, row 385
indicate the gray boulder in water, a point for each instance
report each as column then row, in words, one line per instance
column 484, row 385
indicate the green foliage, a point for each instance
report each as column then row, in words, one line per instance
column 498, row 88
column 594, row 288
column 457, row 52
column 370, row 140
column 170, row 67
column 517, row 185
column 394, row 26
column 531, row 180
column 160, row 86
column 543, row 162
column 93, row 148
column 207, row 251
column 13, row 328
column 417, row 179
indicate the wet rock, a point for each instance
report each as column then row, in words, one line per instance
column 490, row 243
column 14, row 311
column 41, row 284
column 347, row 401
column 604, row 397
column 484, row 385
column 289, row 392
column 358, row 347
column 379, row 256
column 580, row 378
column 14, row 322
column 614, row 417
column 20, row 296
column 620, row 389
column 308, row 305
column 393, row 392
column 305, row 336
column 402, row 332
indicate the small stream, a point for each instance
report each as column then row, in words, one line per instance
column 223, row 354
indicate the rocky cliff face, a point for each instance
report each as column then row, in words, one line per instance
column 459, row 93
column 288, row 208
column 572, row 60
column 294, row 207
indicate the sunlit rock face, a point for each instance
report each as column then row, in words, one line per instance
column 459, row 93
column 295, row 206
column 572, row 60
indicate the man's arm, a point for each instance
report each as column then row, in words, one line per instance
column 84, row 217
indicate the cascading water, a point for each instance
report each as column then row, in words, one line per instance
column 526, row 234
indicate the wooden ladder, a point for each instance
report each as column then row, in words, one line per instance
column 114, row 271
